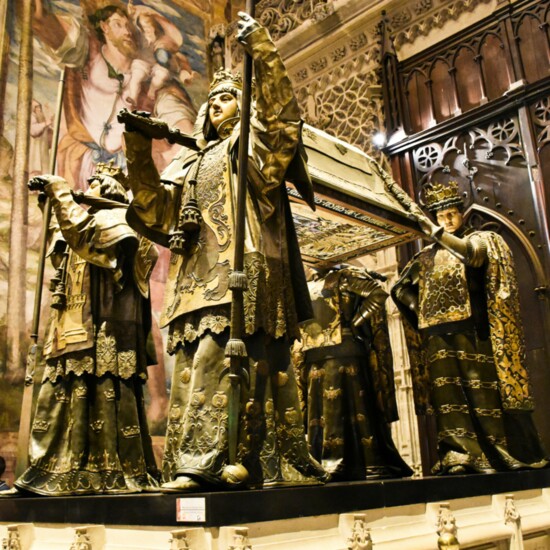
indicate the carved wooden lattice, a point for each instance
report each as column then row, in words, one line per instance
column 541, row 119
column 476, row 159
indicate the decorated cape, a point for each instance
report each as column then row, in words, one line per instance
column 506, row 329
column 325, row 330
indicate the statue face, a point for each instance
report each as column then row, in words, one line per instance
column 222, row 107
column 94, row 189
column 450, row 219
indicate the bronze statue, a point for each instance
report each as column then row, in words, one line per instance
column 347, row 367
column 191, row 209
column 89, row 432
column 460, row 294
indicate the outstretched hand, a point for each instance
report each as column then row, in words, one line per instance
column 37, row 183
column 246, row 25
column 429, row 228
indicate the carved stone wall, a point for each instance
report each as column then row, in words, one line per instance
column 333, row 52
column 283, row 16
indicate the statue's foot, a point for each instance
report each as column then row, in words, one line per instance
column 182, row 484
column 13, row 492
column 235, row 476
column 150, row 488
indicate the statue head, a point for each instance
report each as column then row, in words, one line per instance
column 110, row 182
column 446, row 203
column 223, row 104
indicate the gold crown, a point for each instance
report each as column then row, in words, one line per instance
column 225, row 80
column 111, row 170
column 438, row 196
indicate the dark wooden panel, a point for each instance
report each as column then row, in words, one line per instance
column 468, row 79
column 443, row 91
column 495, row 65
column 419, row 101
column 533, row 47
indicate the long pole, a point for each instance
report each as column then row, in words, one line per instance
column 26, row 405
column 236, row 350
column 19, row 205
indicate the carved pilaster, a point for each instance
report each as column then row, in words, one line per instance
column 446, row 528
column 13, row 540
column 512, row 518
column 88, row 537
column 360, row 538
column 391, row 84
column 179, row 540
column 217, row 49
column 240, row 539
column 18, row 537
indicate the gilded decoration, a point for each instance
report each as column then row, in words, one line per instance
column 109, row 394
column 130, row 431
column 40, row 425
column 97, row 425
column 444, row 293
column 506, row 330
column 348, row 183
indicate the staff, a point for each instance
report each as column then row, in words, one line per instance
column 236, row 349
column 25, row 422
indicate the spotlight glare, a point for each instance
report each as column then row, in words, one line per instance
column 379, row 139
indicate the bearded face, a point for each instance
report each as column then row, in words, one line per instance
column 118, row 31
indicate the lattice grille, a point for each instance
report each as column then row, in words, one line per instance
column 341, row 103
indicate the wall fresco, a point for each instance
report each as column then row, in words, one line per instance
column 150, row 55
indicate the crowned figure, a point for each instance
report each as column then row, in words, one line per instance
column 345, row 361
column 191, row 209
column 89, row 433
column 460, row 298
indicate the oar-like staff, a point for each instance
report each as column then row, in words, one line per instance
column 26, row 405
column 236, row 349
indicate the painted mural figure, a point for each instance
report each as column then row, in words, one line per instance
column 163, row 41
column 461, row 295
column 89, row 432
column 107, row 72
column 39, row 147
column 347, row 365
column 197, row 299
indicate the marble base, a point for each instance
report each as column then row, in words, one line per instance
column 501, row 511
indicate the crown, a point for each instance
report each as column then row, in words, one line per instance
column 438, row 196
column 111, row 170
column 225, row 80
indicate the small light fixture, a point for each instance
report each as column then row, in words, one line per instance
column 379, row 140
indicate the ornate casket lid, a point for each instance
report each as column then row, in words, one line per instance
column 355, row 213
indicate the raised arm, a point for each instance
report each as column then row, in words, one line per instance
column 47, row 26
column 276, row 122
column 79, row 228
column 471, row 250
column 154, row 207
